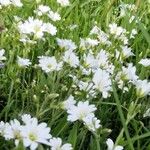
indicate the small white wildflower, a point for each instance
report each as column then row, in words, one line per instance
column 42, row 9
column 66, row 44
column 79, row 112
column 133, row 33
column 90, row 61
column 145, row 62
column 14, row 131
column 101, row 35
column 17, row 3
column 88, row 43
column 92, row 122
column 56, row 144
column 142, row 88
column 116, row 30
column 67, row 104
column 129, row 73
column 5, row 2
column 71, row 58
column 126, row 52
column 63, row 3
column 2, row 57
column 23, row 62
column 4, row 130
column 125, row 8
column 85, row 86
column 54, row 16
column 124, row 39
column 26, row 118
column 49, row 64
column 34, row 133
column 95, row 30
column 111, row 145
column 102, row 82
column 49, row 28
column 102, row 58
column 36, row 27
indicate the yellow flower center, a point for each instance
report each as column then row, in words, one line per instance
column 32, row 137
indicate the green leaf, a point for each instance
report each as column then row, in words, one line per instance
column 62, row 124
column 73, row 135
column 20, row 146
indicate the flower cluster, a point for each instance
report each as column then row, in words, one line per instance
column 16, row 3
column 36, row 28
column 86, row 63
column 31, row 133
column 46, row 10
column 83, row 111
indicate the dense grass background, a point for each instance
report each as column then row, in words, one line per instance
column 32, row 91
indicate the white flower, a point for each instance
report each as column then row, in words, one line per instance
column 63, row 3
column 124, row 39
column 129, row 73
column 34, row 133
column 79, row 112
column 54, row 16
column 145, row 62
column 27, row 119
column 133, row 33
column 90, row 61
column 49, row 64
column 92, row 122
column 31, row 26
column 23, row 62
column 66, row 44
column 115, row 30
column 88, row 43
column 142, row 88
column 111, row 146
column 101, row 35
column 67, row 104
column 56, row 144
column 36, row 27
column 126, row 7
column 102, row 58
column 5, row 2
column 126, row 52
column 120, row 83
column 85, row 86
column 2, row 57
column 95, row 30
column 102, row 82
column 71, row 58
column 42, row 9
column 4, row 128
column 14, row 131
column 17, row 3
column 49, row 28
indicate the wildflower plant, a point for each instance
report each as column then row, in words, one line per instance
column 74, row 75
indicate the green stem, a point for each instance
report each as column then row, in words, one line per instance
column 122, row 117
column 97, row 141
